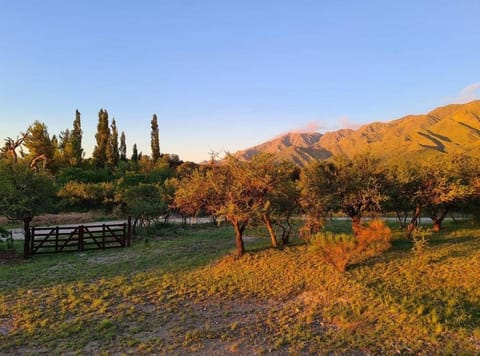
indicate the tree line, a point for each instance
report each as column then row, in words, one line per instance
column 266, row 191
column 53, row 175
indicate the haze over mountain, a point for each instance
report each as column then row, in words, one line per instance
column 444, row 131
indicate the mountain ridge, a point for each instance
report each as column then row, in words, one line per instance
column 448, row 130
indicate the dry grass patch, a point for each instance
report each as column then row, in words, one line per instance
column 63, row 219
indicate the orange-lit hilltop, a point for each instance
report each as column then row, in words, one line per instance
column 443, row 132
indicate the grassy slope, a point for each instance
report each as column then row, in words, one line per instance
column 183, row 292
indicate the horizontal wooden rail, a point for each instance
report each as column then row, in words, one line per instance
column 79, row 238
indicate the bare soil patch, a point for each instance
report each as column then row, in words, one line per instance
column 10, row 257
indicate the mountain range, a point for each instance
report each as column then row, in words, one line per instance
column 443, row 132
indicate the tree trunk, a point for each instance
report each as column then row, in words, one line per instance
column 239, row 238
column 134, row 227
column 285, row 233
column 26, row 243
column 214, row 220
column 271, row 231
column 437, row 220
column 356, row 224
column 414, row 222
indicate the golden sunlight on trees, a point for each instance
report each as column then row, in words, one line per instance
column 10, row 148
column 354, row 186
column 242, row 193
column 39, row 145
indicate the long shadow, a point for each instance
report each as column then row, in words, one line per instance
column 477, row 131
column 440, row 137
column 451, row 240
column 183, row 253
column 439, row 146
column 401, row 247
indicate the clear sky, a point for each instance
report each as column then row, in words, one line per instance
column 226, row 75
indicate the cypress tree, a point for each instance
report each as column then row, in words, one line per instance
column 134, row 153
column 71, row 143
column 123, row 147
column 102, row 137
column 76, row 140
column 155, row 142
column 112, row 148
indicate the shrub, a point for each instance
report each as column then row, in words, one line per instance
column 420, row 241
column 339, row 250
column 5, row 237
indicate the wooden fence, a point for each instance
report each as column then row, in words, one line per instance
column 79, row 238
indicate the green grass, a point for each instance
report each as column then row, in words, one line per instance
column 184, row 292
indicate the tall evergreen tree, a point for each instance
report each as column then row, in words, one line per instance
column 71, row 143
column 76, row 140
column 102, row 137
column 123, row 147
column 155, row 142
column 112, row 149
column 134, row 153
column 65, row 146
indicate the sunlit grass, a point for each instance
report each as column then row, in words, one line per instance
column 184, row 291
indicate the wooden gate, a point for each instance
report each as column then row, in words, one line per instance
column 79, row 238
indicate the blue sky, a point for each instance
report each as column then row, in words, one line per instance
column 226, row 75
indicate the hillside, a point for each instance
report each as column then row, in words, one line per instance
column 444, row 131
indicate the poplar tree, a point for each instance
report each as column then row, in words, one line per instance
column 123, row 147
column 112, row 148
column 71, row 143
column 102, row 137
column 134, row 153
column 76, row 140
column 155, row 142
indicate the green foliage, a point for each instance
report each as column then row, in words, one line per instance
column 112, row 151
column 85, row 196
column 71, row 144
column 360, row 185
column 84, row 175
column 154, row 140
column 102, row 137
column 39, row 144
column 24, row 193
column 135, row 155
column 354, row 186
column 6, row 240
column 317, row 195
column 123, row 147
column 241, row 192
column 144, row 202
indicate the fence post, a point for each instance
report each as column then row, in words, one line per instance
column 29, row 242
column 103, row 236
column 80, row 237
column 56, row 240
column 129, row 231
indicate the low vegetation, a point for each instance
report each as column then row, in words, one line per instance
column 181, row 290
column 339, row 250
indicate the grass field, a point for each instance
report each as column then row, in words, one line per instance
column 180, row 291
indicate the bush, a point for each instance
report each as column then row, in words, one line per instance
column 339, row 250
column 5, row 237
column 87, row 195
